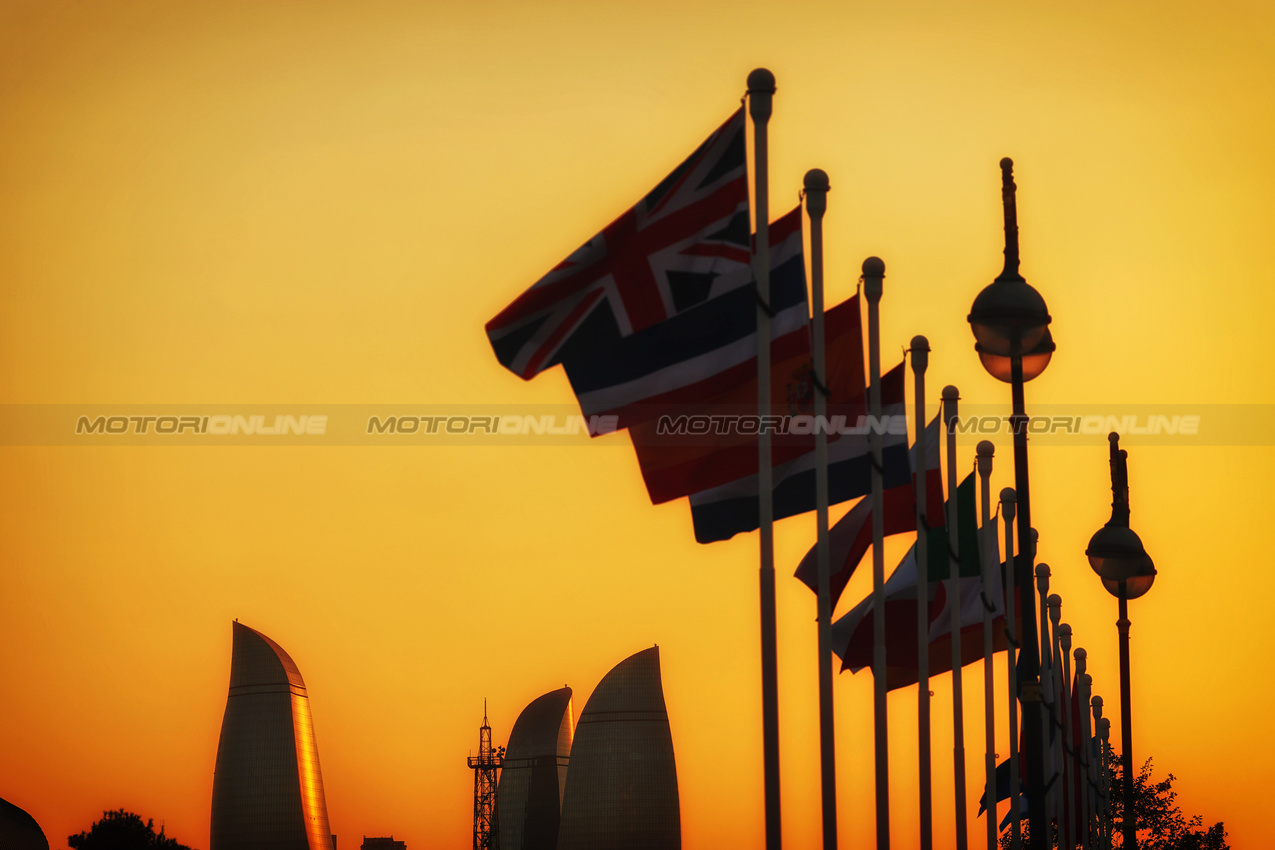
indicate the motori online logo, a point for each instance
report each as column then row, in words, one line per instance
column 215, row 425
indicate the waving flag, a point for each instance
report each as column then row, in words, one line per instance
column 970, row 592
column 701, row 352
column 704, row 352
column 684, row 244
column 678, row 459
column 852, row 634
column 722, row 512
column 851, row 538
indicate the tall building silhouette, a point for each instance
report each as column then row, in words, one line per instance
column 534, row 773
column 267, row 789
column 621, row 790
column 18, row 830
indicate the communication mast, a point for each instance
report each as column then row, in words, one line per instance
column 485, row 766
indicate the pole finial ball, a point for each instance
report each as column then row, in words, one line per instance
column 985, row 448
column 874, row 267
column 951, row 393
column 920, row 351
column 1010, row 497
column 816, row 180
column 1006, row 162
column 761, row 80
column 1114, row 438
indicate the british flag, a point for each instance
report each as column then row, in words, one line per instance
column 702, row 352
column 683, row 244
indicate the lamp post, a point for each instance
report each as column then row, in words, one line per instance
column 1126, row 570
column 1011, row 326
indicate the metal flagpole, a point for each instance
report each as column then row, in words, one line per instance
column 873, row 277
column 920, row 351
column 1086, row 768
column 950, row 398
column 1069, row 748
column 761, row 89
column 984, row 452
column 816, row 184
column 1059, row 754
column 1047, row 661
column 1104, row 729
column 1008, row 505
column 1096, row 772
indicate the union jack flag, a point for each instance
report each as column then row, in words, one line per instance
column 683, row 244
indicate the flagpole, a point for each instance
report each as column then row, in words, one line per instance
column 873, row 276
column 1047, row 659
column 1059, row 754
column 1104, row 727
column 920, row 351
column 1069, row 746
column 817, row 186
column 950, row 398
column 1059, row 714
column 1095, row 770
column 1008, row 506
column 761, row 90
column 983, row 461
column 1086, row 804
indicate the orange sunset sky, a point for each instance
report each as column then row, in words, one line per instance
column 321, row 204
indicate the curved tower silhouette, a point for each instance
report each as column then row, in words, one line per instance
column 621, row 791
column 534, row 772
column 18, row 830
column 267, row 789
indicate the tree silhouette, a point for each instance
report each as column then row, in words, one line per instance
column 121, row 830
column 1160, row 822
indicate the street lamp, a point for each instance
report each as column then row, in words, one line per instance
column 1011, row 327
column 1000, row 367
column 1117, row 556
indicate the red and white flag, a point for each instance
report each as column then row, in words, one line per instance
column 851, row 538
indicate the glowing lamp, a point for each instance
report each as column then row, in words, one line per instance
column 1034, row 362
column 1136, row 584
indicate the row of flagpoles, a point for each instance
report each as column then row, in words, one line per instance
column 653, row 316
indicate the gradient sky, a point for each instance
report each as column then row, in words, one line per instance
column 322, row 203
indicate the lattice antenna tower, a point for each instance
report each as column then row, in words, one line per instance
column 486, row 767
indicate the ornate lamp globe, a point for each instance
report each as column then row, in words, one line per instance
column 1135, row 585
column 1009, row 313
column 1009, row 316
column 1115, row 552
column 1001, row 367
